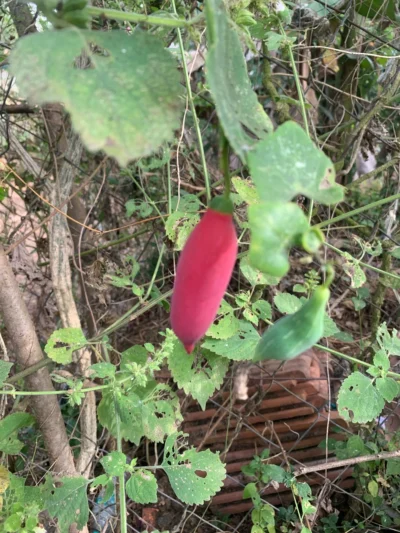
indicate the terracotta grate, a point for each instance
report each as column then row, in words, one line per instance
column 284, row 409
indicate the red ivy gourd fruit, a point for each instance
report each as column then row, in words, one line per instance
column 203, row 273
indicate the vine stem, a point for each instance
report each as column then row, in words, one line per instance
column 114, row 14
column 366, row 265
column 193, row 109
column 301, row 100
column 358, row 210
column 121, row 477
column 224, row 164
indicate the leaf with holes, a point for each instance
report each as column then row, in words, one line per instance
column 161, row 414
column 275, row 227
column 262, row 309
column 197, row 376
column 114, row 463
column 287, row 163
column 224, row 328
column 382, row 361
column 359, row 401
column 242, row 116
column 63, row 342
column 5, row 368
column 9, row 427
column 133, row 77
column 141, row 487
column 194, row 476
column 67, row 501
column 239, row 347
column 179, row 226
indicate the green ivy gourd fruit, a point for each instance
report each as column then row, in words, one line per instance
column 293, row 334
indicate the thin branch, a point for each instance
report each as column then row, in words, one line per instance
column 346, row 462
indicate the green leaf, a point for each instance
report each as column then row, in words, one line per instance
column 114, row 463
column 381, row 360
column 321, row 10
column 273, row 473
column 102, row 370
column 5, row 368
column 254, row 276
column 161, row 414
column 376, row 8
column 388, row 387
column 303, row 490
column 128, row 408
column 143, row 209
column 199, row 377
column 13, row 523
column 393, row 467
column 194, row 476
column 224, row 328
column 239, row 347
column 373, row 488
column 251, row 491
column 353, row 269
column 242, row 117
column 135, row 354
column 275, row 227
column 68, row 502
column 141, row 487
column 354, row 447
column 359, row 401
column 262, row 309
column 9, row 427
column 274, row 40
column 330, row 327
column 388, row 342
column 246, row 190
column 133, row 76
column 179, row 226
column 287, row 303
column 63, row 342
column 186, row 203
column 287, row 163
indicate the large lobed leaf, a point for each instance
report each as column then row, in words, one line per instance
column 125, row 102
column 242, row 117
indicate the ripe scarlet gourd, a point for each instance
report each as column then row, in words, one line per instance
column 202, row 276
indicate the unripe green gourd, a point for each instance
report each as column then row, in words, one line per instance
column 293, row 334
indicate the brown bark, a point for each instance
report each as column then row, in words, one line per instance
column 28, row 352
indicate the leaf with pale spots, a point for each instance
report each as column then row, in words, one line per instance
column 141, row 487
column 359, row 400
column 114, row 463
column 126, row 102
column 67, row 501
column 194, row 476
column 287, row 163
